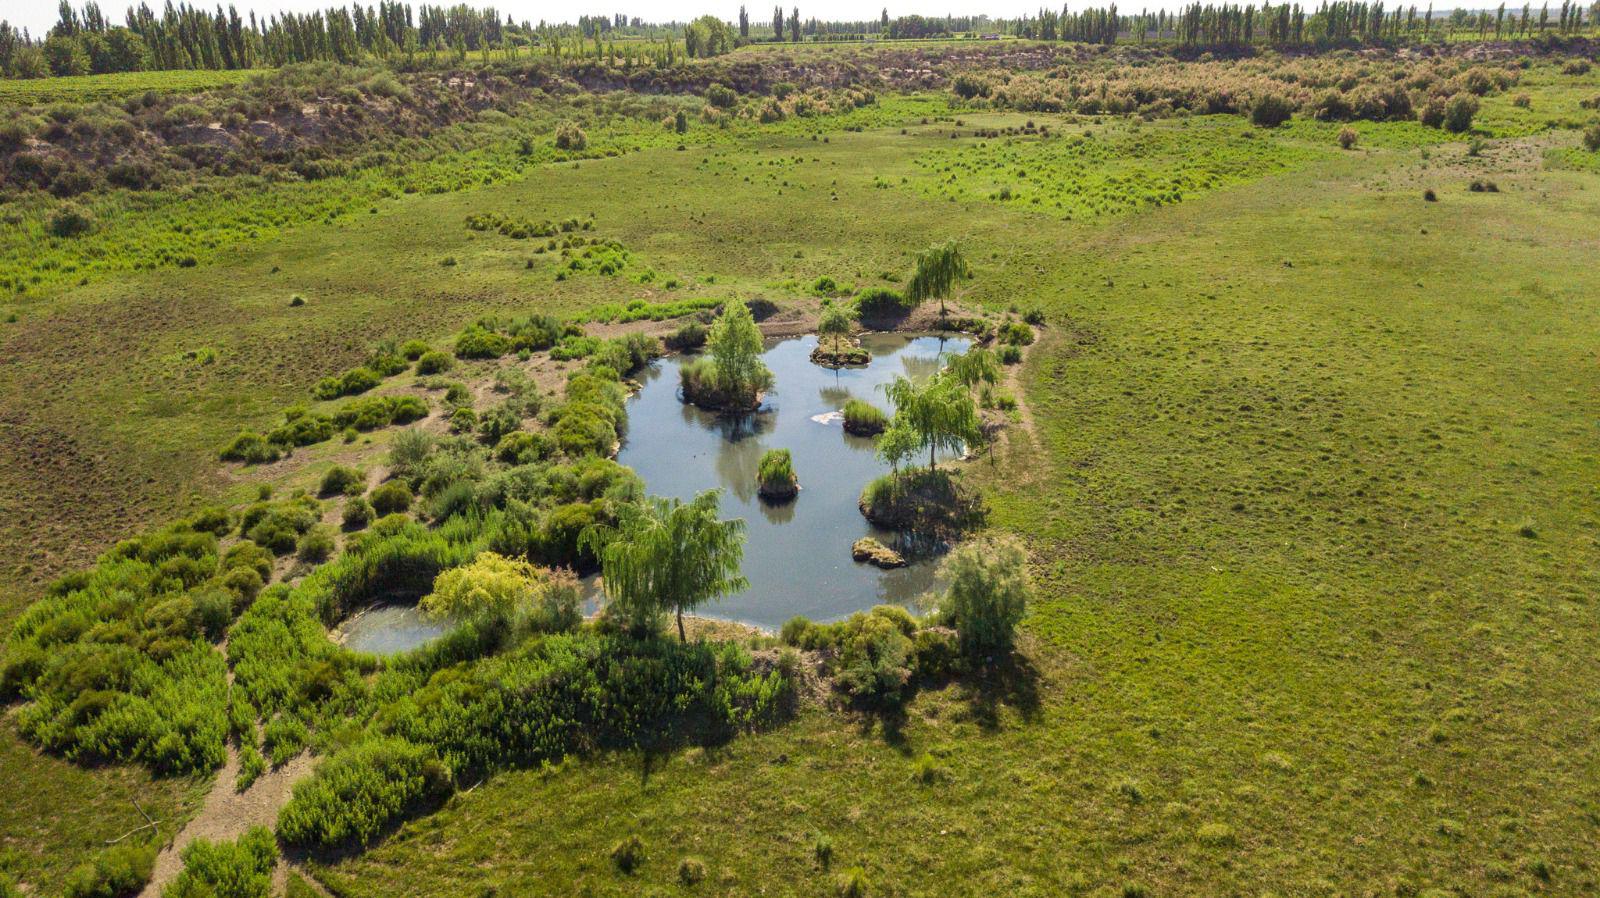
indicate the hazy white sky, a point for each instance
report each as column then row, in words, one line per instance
column 39, row 15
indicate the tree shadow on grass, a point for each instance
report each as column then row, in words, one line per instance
column 1010, row 680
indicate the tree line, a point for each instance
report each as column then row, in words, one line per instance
column 1342, row 22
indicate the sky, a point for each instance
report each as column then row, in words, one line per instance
column 39, row 15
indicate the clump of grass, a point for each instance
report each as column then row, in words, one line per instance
column 776, row 480
column 691, row 870
column 822, row 851
column 852, row 883
column 862, row 418
column 628, row 855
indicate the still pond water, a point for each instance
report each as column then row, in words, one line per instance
column 796, row 555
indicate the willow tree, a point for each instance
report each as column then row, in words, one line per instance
column 666, row 555
column 939, row 269
column 973, row 367
column 939, row 413
column 834, row 325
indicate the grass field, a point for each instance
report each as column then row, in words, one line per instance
column 1308, row 487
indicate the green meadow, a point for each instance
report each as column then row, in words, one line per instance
column 1305, row 466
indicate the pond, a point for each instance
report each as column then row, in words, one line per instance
column 797, row 555
column 389, row 630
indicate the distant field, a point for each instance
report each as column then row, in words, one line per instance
column 101, row 87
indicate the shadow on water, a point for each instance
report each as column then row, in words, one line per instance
column 797, row 555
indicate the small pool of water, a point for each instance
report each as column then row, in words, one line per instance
column 797, row 555
column 389, row 630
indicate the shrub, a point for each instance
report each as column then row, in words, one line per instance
column 523, row 448
column 360, row 790
column 317, row 544
column 1591, row 138
column 358, row 513
column 988, row 594
column 239, row 869
column 721, row 97
column 478, row 342
column 252, row 449
column 436, row 362
column 251, row 766
column 628, row 854
column 880, row 303
column 1459, row 111
column 341, row 479
column 463, row 420
column 392, row 497
column 571, row 137
column 1015, row 333
column 1270, row 110
column 114, row 872
column 71, row 221
column 412, row 350
column 282, row 738
column 350, row 383
column 862, row 418
column 1347, row 138
column 691, row 335
column 1578, row 66
column 775, row 476
column 874, row 660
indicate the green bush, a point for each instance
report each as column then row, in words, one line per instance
column 436, row 362
column 477, row 342
column 987, row 595
column 691, row 335
column 372, row 412
column 871, row 652
column 282, row 738
column 251, row 766
column 342, row 480
column 570, row 137
column 358, row 791
column 350, row 383
column 1459, row 112
column 414, row 350
column 877, row 303
column 1010, row 355
column 1015, row 333
column 316, row 544
column 252, row 449
column 238, row 869
column 1270, row 110
column 358, row 513
column 392, row 497
column 1591, row 138
column 71, row 221
column 114, row 872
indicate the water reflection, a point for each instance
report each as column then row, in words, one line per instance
column 389, row 630
column 797, row 556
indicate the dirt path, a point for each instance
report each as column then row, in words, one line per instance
column 226, row 814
